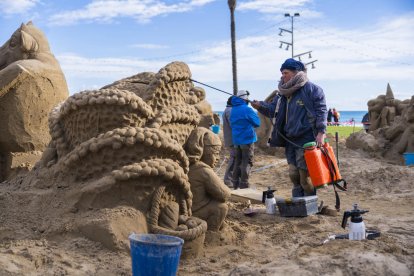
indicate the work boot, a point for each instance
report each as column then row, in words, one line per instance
column 244, row 185
column 297, row 190
column 306, row 183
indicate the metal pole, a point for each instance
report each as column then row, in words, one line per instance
column 232, row 6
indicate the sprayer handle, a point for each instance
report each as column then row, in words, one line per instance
column 347, row 214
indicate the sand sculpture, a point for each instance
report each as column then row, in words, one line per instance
column 119, row 154
column 392, row 128
column 209, row 191
column 266, row 126
column 31, row 84
column 383, row 110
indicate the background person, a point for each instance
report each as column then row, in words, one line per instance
column 336, row 116
column 300, row 112
column 228, row 143
column 243, row 120
column 329, row 116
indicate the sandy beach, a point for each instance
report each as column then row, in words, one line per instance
column 259, row 245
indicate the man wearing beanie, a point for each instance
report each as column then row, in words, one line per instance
column 243, row 120
column 300, row 117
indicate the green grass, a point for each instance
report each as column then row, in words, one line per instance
column 343, row 131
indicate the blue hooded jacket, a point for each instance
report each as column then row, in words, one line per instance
column 299, row 118
column 243, row 120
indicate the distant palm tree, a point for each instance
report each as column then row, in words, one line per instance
column 232, row 6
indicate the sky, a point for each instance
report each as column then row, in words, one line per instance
column 359, row 45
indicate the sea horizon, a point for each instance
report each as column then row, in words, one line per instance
column 347, row 117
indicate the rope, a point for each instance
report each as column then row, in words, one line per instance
column 221, row 165
column 187, row 235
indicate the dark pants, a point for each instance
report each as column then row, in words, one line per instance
column 228, row 175
column 242, row 165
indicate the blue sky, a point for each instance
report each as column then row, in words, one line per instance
column 360, row 45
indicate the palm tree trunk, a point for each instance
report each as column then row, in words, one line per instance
column 232, row 6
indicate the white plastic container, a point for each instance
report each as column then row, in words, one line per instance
column 357, row 231
column 270, row 206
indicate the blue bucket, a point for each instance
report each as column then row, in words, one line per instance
column 215, row 129
column 409, row 158
column 154, row 254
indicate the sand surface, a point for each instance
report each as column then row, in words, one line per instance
column 259, row 245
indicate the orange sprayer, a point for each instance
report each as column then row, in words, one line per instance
column 322, row 165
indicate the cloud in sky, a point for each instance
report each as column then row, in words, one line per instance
column 149, row 46
column 278, row 7
column 108, row 10
column 9, row 7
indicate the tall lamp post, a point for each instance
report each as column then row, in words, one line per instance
column 292, row 43
column 232, row 6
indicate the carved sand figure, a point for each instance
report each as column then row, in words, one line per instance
column 383, row 110
column 209, row 191
column 31, row 84
column 393, row 130
column 403, row 131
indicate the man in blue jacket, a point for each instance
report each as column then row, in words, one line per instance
column 300, row 117
column 243, row 120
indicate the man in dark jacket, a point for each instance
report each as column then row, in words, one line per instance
column 243, row 120
column 300, row 112
column 228, row 143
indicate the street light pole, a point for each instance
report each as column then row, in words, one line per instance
column 232, row 7
column 291, row 30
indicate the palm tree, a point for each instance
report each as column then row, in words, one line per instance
column 232, row 6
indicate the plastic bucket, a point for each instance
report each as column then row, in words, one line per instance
column 215, row 129
column 409, row 158
column 154, row 254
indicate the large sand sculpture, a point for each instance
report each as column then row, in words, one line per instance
column 116, row 162
column 391, row 132
column 31, row 84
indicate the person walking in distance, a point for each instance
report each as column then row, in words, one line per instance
column 300, row 112
column 228, row 143
column 330, row 116
column 243, row 121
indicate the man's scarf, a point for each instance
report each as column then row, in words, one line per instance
column 294, row 84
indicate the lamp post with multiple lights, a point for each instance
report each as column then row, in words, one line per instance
column 291, row 44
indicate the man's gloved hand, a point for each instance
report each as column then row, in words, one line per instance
column 255, row 104
column 320, row 139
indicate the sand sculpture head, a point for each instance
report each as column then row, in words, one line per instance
column 31, row 84
column 203, row 145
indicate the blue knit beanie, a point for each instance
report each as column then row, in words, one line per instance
column 293, row 65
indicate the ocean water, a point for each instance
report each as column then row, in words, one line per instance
column 346, row 117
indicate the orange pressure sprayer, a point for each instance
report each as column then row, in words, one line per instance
column 323, row 168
